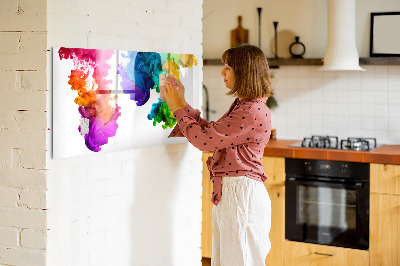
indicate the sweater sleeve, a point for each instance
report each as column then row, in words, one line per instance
column 231, row 130
column 193, row 113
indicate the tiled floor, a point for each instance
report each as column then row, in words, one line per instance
column 206, row 261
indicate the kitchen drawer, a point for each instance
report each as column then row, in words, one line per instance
column 305, row 254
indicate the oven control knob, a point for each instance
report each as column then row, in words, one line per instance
column 343, row 168
column 308, row 166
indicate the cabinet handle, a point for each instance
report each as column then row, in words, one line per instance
column 325, row 254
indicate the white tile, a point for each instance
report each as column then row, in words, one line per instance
column 380, row 71
column 369, row 70
column 292, row 82
column 279, row 72
column 342, row 81
column 382, row 136
column 394, row 123
column 368, row 122
column 394, row 110
column 381, row 97
column 355, row 122
column 394, row 137
column 317, row 120
column 304, row 72
column 367, row 133
column 394, row 83
column 331, row 131
column 355, row 96
column 329, row 122
column 328, row 74
column 329, row 94
column 304, row 109
column 394, row 97
column 381, row 110
column 278, row 83
column 342, row 133
column 317, row 131
column 381, row 123
column 317, row 107
column 367, row 110
column 291, row 71
column 342, row 122
column 355, row 132
column 367, row 83
column 354, row 74
column 316, row 72
column 394, row 70
column 316, row 82
column 367, row 96
column 342, row 96
column 342, row 109
column 303, row 82
column 354, row 83
column 329, row 109
column 317, row 95
column 355, row 109
column 381, row 84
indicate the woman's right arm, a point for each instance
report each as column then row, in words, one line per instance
column 193, row 113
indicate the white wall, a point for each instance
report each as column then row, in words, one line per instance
column 133, row 207
column 311, row 102
column 23, row 132
column 305, row 18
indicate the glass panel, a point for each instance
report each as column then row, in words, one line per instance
column 323, row 206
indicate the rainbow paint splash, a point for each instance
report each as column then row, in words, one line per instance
column 141, row 74
column 137, row 74
column 97, row 110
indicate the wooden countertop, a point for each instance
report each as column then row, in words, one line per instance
column 389, row 154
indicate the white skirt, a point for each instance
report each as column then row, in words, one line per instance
column 241, row 223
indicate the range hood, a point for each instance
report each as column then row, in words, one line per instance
column 341, row 51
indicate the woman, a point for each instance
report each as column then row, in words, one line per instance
column 242, row 208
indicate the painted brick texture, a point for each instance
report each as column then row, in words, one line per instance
column 123, row 208
column 23, row 218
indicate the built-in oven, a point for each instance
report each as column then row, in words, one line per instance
column 327, row 202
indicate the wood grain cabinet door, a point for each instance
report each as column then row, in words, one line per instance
column 385, row 178
column 206, row 225
column 277, row 233
column 384, row 236
column 305, row 254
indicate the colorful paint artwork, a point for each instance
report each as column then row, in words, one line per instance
column 99, row 94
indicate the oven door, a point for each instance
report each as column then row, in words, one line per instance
column 327, row 213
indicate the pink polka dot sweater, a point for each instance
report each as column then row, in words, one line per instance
column 238, row 139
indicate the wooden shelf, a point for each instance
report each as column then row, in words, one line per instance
column 380, row 61
column 274, row 63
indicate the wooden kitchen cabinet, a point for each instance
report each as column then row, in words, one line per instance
column 206, row 225
column 274, row 168
column 384, row 236
column 305, row 254
column 385, row 178
column 277, row 233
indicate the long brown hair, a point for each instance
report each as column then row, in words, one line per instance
column 250, row 66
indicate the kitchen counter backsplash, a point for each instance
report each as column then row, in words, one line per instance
column 314, row 102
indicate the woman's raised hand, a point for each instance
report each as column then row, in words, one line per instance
column 174, row 93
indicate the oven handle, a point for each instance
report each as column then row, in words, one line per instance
column 357, row 185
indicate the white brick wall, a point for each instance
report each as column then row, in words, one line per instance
column 23, row 132
column 134, row 207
